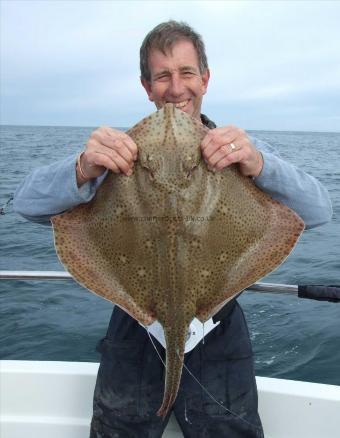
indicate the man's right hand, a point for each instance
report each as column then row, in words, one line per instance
column 107, row 148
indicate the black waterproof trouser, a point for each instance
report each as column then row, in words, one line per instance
column 130, row 383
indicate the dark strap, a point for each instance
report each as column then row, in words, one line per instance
column 207, row 122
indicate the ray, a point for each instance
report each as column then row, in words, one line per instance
column 174, row 241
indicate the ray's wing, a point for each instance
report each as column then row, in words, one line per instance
column 247, row 235
column 109, row 245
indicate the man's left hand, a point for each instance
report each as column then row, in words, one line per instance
column 224, row 146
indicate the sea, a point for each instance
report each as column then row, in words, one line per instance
column 292, row 338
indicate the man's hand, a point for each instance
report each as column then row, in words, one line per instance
column 107, row 148
column 224, row 146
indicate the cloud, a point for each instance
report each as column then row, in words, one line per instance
column 76, row 62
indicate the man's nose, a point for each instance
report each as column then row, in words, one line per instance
column 177, row 87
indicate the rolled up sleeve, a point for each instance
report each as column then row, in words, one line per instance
column 52, row 189
column 292, row 186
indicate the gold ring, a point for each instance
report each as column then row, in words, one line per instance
column 232, row 147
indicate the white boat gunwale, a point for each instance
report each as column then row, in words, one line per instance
column 54, row 399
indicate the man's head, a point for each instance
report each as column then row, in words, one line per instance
column 174, row 67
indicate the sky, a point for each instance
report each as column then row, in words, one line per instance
column 275, row 65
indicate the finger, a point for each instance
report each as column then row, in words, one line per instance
column 213, row 147
column 131, row 146
column 229, row 133
column 114, row 138
column 220, row 153
column 123, row 150
column 127, row 140
column 207, row 139
column 110, row 159
column 217, row 143
column 104, row 138
column 233, row 157
column 106, row 145
column 123, row 165
column 107, row 162
column 119, row 154
column 99, row 159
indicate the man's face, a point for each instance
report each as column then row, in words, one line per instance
column 176, row 78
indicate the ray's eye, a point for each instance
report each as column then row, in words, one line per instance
column 150, row 161
column 151, row 175
column 189, row 164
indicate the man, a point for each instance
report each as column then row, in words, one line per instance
column 130, row 380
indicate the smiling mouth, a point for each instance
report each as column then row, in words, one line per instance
column 182, row 104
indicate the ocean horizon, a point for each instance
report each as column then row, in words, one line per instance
column 125, row 128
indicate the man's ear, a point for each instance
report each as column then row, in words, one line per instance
column 147, row 86
column 205, row 80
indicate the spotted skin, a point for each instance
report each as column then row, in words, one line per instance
column 174, row 241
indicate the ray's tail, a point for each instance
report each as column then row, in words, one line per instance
column 175, row 344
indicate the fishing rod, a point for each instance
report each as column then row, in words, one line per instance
column 317, row 292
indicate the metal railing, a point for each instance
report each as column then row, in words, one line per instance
column 64, row 275
column 313, row 292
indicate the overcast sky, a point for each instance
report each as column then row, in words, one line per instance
column 274, row 65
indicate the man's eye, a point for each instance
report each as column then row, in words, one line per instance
column 162, row 77
column 188, row 73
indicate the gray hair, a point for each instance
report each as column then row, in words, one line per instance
column 163, row 37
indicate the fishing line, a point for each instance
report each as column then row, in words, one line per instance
column 216, row 401
column 204, row 389
column 154, row 346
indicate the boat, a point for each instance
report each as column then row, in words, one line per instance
column 54, row 399
column 40, row 399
